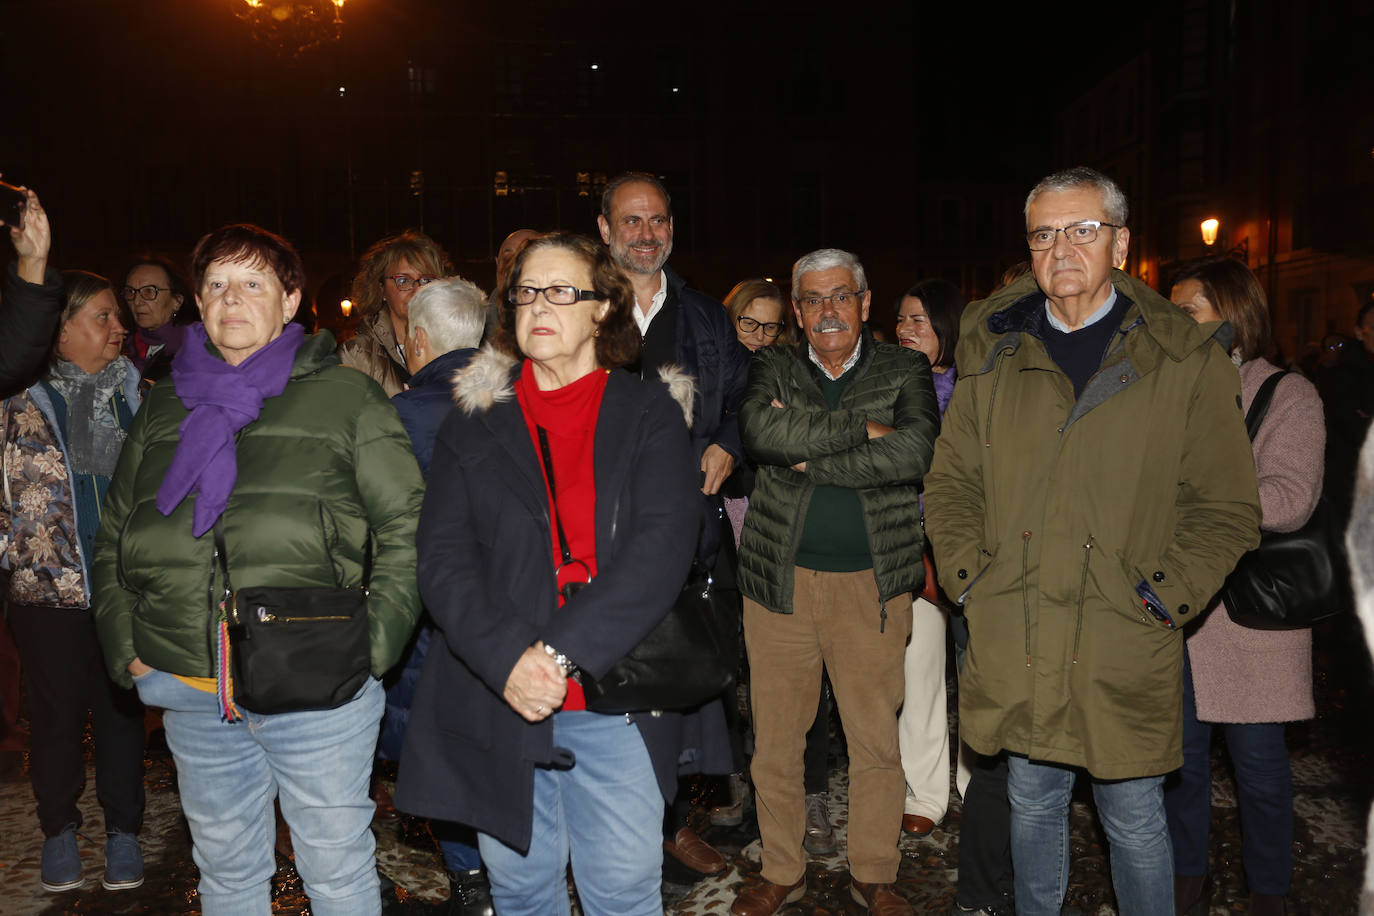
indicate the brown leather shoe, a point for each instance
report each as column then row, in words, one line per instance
column 692, row 851
column 879, row 899
column 767, row 898
column 916, row 825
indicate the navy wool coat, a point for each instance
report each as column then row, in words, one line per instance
column 486, row 574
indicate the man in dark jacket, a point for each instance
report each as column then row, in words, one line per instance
column 842, row 429
column 682, row 327
column 445, row 325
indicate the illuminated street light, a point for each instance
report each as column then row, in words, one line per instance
column 292, row 26
column 1209, row 231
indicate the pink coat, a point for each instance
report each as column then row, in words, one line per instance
column 1244, row 675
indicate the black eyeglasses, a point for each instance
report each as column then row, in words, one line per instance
column 750, row 325
column 148, row 292
column 554, row 295
column 403, row 282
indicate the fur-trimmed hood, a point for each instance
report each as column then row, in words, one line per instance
column 490, row 379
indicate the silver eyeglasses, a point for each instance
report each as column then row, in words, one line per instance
column 841, row 300
column 1080, row 233
column 403, row 282
column 148, row 292
column 554, row 295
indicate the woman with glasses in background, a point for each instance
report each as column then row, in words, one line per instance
column 390, row 273
column 758, row 312
column 161, row 306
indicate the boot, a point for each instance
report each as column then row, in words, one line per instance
column 469, row 894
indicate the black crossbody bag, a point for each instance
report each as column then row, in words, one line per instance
column 1292, row 579
column 683, row 662
column 296, row 649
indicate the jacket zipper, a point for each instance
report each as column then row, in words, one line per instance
column 992, row 398
column 1082, row 593
column 1025, row 589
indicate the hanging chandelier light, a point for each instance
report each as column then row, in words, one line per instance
column 290, row 27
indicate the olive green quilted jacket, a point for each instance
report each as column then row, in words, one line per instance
column 892, row 386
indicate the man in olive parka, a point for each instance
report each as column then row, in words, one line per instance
column 1091, row 488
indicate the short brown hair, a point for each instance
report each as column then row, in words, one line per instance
column 419, row 249
column 617, row 336
column 241, row 243
column 1238, row 297
column 746, row 291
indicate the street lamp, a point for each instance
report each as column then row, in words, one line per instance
column 1209, row 231
column 291, row 26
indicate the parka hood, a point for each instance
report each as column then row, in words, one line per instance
column 1171, row 328
column 490, row 379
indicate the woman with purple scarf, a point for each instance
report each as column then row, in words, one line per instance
column 299, row 465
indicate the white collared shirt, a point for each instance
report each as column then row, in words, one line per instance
column 660, row 297
column 1094, row 318
column 848, row 363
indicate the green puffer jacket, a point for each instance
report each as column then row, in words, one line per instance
column 892, row 386
column 325, row 462
column 1045, row 512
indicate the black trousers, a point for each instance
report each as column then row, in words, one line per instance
column 985, row 875
column 65, row 678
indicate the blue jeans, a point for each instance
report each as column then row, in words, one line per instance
column 605, row 812
column 1132, row 812
column 316, row 763
column 1264, row 791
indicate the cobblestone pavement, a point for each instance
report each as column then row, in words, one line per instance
column 1333, row 781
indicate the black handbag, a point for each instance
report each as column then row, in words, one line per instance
column 1292, row 579
column 296, row 649
column 687, row 659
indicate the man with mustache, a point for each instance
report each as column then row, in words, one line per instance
column 842, row 428
column 692, row 331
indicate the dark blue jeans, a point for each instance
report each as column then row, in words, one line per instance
column 1264, row 789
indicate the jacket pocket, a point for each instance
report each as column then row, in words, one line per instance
column 1119, row 593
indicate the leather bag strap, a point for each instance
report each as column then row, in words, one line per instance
column 547, row 462
column 1259, row 407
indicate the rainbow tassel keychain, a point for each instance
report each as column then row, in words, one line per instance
column 224, row 688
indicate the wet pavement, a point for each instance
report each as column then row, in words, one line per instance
column 1333, row 772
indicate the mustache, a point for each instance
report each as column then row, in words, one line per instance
column 830, row 323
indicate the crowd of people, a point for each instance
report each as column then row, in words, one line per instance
column 439, row 542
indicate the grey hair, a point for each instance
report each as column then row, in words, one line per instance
column 824, row 259
column 453, row 313
column 624, row 178
column 1080, row 176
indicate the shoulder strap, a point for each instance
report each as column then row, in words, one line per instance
column 547, row 462
column 1260, row 405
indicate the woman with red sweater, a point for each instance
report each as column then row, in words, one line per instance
column 552, row 446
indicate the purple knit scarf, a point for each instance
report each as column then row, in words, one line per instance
column 222, row 399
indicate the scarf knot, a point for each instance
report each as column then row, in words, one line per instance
column 222, row 399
